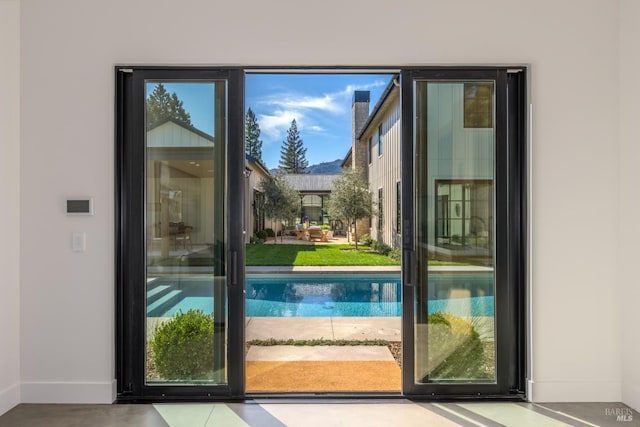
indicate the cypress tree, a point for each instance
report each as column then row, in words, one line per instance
column 252, row 142
column 293, row 153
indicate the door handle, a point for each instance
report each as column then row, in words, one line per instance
column 408, row 267
column 234, row 268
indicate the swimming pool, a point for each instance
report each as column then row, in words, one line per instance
column 313, row 295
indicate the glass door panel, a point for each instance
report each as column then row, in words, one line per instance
column 454, row 333
column 464, row 229
column 186, row 244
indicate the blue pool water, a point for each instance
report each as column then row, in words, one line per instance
column 316, row 296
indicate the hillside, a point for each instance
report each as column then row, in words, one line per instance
column 326, row 168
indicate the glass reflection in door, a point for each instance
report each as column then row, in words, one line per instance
column 186, row 307
column 454, row 310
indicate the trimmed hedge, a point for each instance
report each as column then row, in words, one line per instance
column 183, row 347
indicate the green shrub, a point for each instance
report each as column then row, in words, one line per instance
column 262, row 234
column 270, row 232
column 395, row 254
column 325, row 227
column 381, row 248
column 455, row 349
column 256, row 240
column 365, row 239
column 183, row 347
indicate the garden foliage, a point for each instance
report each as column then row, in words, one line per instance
column 183, row 347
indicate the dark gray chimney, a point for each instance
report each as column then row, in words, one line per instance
column 359, row 116
column 360, row 110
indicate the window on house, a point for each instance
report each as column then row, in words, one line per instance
column 380, row 139
column 398, row 206
column 258, row 210
column 370, row 150
column 478, row 105
column 380, row 210
column 464, row 212
column 311, row 206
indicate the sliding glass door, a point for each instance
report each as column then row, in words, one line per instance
column 182, row 305
column 463, row 268
column 181, row 183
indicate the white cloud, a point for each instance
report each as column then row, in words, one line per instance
column 306, row 109
column 295, row 101
column 274, row 126
column 323, row 103
column 348, row 91
column 331, row 102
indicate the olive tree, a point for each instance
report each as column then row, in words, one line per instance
column 281, row 201
column 350, row 198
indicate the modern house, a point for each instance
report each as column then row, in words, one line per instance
column 375, row 151
column 461, row 208
column 255, row 219
column 57, row 116
column 185, row 153
column 315, row 191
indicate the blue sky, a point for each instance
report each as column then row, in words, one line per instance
column 321, row 105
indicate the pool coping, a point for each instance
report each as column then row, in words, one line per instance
column 358, row 269
column 322, row 269
column 286, row 269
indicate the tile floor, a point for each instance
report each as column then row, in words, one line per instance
column 324, row 413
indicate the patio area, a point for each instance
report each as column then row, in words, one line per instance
column 295, row 240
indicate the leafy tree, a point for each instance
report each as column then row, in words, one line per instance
column 293, row 154
column 161, row 105
column 350, row 198
column 252, row 142
column 281, row 201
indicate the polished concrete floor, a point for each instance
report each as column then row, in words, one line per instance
column 324, row 413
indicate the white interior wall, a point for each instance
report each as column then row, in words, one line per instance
column 68, row 53
column 629, row 224
column 10, row 204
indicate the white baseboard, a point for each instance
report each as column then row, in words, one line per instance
column 631, row 395
column 81, row 392
column 575, row 391
column 9, row 397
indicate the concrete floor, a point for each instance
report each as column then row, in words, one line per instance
column 326, row 413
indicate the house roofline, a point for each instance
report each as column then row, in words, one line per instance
column 346, row 156
column 190, row 128
column 376, row 109
column 258, row 162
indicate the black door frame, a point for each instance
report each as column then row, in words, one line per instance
column 511, row 208
column 130, row 239
column 129, row 227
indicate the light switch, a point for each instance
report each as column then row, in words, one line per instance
column 79, row 241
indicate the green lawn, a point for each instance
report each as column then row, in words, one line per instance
column 293, row 255
column 316, row 255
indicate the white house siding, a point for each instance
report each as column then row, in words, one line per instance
column 253, row 183
column 170, row 134
column 384, row 170
column 453, row 151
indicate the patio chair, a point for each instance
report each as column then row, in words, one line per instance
column 300, row 232
column 315, row 233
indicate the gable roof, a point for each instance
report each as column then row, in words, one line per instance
column 391, row 86
column 257, row 162
column 190, row 128
column 308, row 183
